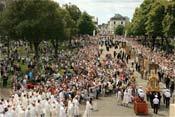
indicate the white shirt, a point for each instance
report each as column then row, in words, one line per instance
column 142, row 94
column 1, row 108
column 155, row 101
column 1, row 115
column 167, row 94
column 62, row 112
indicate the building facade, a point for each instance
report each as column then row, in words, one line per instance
column 103, row 29
column 115, row 21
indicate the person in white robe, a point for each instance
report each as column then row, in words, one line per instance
column 62, row 112
column 39, row 97
column 52, row 98
column 33, row 111
column 61, row 95
column 21, row 112
column 43, row 102
column 27, row 112
column 18, row 108
column 125, row 98
column 88, row 109
column 39, row 108
column 119, row 97
column 1, row 107
column 9, row 112
column 130, row 94
column 76, row 106
column 70, row 110
column 1, row 115
column 54, row 112
column 47, row 109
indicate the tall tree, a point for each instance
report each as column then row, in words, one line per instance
column 73, row 13
column 140, row 17
column 169, row 20
column 85, row 24
column 27, row 19
column 154, row 27
column 55, row 26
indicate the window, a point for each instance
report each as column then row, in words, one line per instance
column 114, row 22
column 121, row 22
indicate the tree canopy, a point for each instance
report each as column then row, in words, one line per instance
column 154, row 19
column 119, row 30
column 36, row 20
column 85, row 24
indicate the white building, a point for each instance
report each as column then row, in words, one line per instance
column 117, row 20
column 103, row 28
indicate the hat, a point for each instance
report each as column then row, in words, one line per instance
column 156, row 96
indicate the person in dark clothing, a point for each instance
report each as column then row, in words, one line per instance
column 118, row 55
column 167, row 98
column 156, row 104
column 107, row 48
column 167, row 82
column 5, row 79
column 172, row 88
column 115, row 54
column 159, row 97
column 151, row 99
column 160, row 74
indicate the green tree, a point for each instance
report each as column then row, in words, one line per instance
column 120, row 30
column 85, row 24
column 26, row 19
column 55, row 26
column 138, row 23
column 72, row 14
column 169, row 20
column 169, row 24
column 154, row 23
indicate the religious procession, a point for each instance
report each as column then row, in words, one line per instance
column 57, row 60
column 86, row 77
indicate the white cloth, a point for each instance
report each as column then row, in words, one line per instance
column 39, row 108
column 70, row 110
column 61, row 95
column 62, row 112
column 142, row 94
column 130, row 94
column 167, row 94
column 21, row 113
column 2, row 115
column 155, row 101
column 125, row 98
column 1, row 108
column 27, row 113
column 76, row 107
column 88, row 109
column 54, row 112
column 119, row 97
column 47, row 109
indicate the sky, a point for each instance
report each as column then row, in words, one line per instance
column 105, row 9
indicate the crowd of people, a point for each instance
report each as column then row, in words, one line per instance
column 49, row 92
column 166, row 61
column 60, row 85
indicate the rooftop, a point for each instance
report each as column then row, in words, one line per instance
column 118, row 17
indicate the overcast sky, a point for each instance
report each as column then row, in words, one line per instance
column 105, row 9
